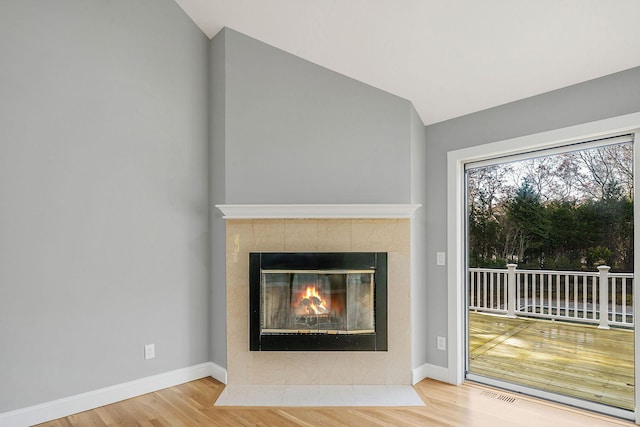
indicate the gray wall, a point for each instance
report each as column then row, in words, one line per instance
column 295, row 132
column 104, row 200
column 606, row 97
column 106, row 174
column 217, row 172
column 419, row 256
column 299, row 133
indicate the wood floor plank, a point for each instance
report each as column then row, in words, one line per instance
column 191, row 404
column 88, row 418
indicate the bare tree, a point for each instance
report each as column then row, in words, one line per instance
column 487, row 187
column 605, row 167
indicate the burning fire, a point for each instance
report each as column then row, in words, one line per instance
column 312, row 303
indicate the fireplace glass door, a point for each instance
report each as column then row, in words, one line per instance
column 320, row 302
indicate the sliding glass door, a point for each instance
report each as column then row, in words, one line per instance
column 550, row 273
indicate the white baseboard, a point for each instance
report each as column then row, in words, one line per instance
column 93, row 399
column 431, row 371
column 419, row 373
column 219, row 373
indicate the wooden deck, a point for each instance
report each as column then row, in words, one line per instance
column 580, row 361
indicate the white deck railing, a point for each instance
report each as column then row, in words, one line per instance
column 564, row 295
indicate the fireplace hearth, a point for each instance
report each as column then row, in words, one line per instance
column 318, row 301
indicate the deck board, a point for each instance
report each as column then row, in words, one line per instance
column 576, row 360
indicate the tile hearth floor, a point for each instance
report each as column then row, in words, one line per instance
column 319, row 395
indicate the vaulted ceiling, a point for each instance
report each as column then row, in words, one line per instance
column 449, row 57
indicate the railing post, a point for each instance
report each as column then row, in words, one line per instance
column 603, row 284
column 511, row 290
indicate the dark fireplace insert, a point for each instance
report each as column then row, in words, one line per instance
column 318, row 301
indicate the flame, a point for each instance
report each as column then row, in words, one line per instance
column 312, row 303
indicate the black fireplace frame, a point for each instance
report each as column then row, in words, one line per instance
column 376, row 341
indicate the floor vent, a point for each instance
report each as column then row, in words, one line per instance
column 503, row 397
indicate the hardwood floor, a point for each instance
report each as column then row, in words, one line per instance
column 575, row 360
column 191, row 404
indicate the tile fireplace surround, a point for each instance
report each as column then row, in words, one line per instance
column 391, row 235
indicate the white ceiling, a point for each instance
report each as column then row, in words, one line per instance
column 449, row 57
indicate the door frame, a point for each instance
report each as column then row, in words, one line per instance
column 456, row 236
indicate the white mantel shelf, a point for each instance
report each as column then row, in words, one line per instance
column 318, row 211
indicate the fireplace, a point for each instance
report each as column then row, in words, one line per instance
column 318, row 301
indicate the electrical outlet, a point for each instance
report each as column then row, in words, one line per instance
column 442, row 343
column 149, row 351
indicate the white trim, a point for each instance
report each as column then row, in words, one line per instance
column 455, row 226
column 318, row 211
column 66, row 406
column 218, row 373
column 455, row 278
column 550, row 139
column 428, row 370
column 419, row 373
column 576, row 145
column 636, row 267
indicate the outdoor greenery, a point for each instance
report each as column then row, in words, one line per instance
column 572, row 211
